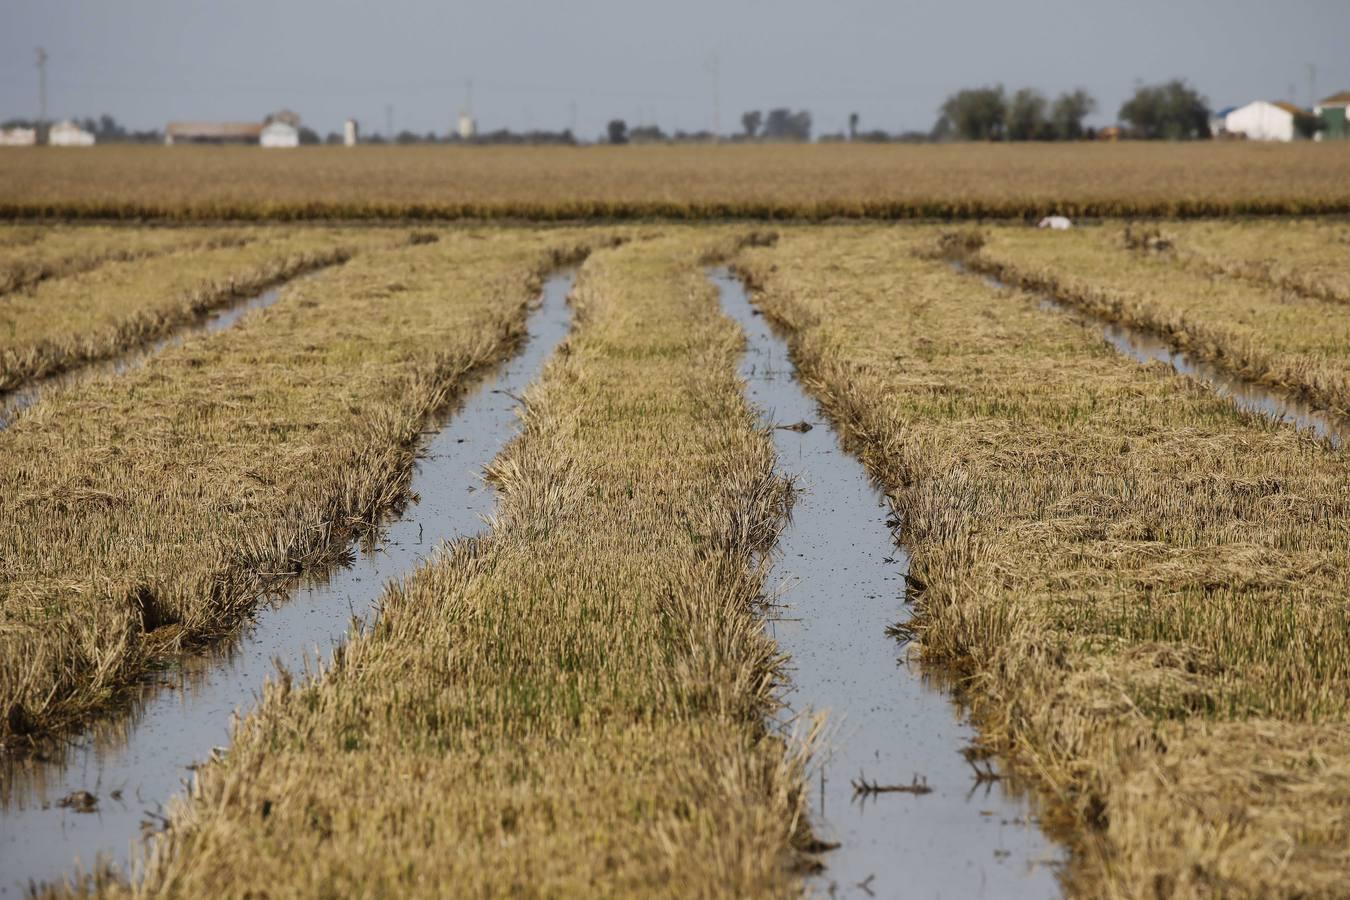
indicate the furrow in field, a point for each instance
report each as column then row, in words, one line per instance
column 1146, row 588
column 142, row 513
column 1305, row 257
column 573, row 703
column 65, row 323
column 31, row 254
column 132, row 764
column 1293, row 343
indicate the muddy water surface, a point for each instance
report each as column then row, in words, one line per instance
column 133, row 765
column 843, row 581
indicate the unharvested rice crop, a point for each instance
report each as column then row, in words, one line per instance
column 573, row 704
column 1284, row 339
column 142, row 513
column 1148, row 591
column 679, row 182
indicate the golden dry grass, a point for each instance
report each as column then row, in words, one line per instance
column 1293, row 342
column 1306, row 258
column 30, row 254
column 97, row 314
column 144, row 512
column 573, row 704
column 699, row 182
column 1148, row 591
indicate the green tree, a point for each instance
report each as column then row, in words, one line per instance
column 975, row 114
column 618, row 131
column 751, row 122
column 853, row 119
column 1027, row 116
column 1068, row 113
column 1172, row 111
column 783, row 124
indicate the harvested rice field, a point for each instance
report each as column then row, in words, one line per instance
column 670, row 559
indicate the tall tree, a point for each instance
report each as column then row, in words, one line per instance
column 618, row 131
column 853, row 120
column 751, row 121
column 1171, row 111
column 1026, row 116
column 783, row 124
column 1068, row 113
column 976, row 114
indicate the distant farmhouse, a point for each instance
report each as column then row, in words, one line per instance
column 279, row 134
column 281, row 129
column 1263, row 121
column 67, row 134
column 18, row 137
column 1333, row 113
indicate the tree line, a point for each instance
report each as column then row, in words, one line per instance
column 1169, row 111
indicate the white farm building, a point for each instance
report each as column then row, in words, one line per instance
column 18, row 137
column 279, row 134
column 1262, row 121
column 68, row 134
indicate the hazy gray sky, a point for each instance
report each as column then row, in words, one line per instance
column 149, row 61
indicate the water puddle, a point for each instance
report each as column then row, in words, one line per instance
column 941, row 831
column 132, row 765
column 19, row 399
column 1145, row 347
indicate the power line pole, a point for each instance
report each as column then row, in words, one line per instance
column 714, row 67
column 42, row 90
column 389, row 121
column 1312, row 85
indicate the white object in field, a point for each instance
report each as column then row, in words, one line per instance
column 279, row 134
column 18, row 137
column 350, row 133
column 1055, row 223
column 467, row 126
column 1262, row 121
column 68, row 134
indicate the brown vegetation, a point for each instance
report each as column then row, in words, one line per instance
column 1148, row 591
column 103, row 311
column 1285, row 340
column 573, row 704
column 148, row 511
column 813, row 182
column 30, row 254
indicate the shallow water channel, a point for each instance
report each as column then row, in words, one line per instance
column 1145, row 347
column 16, row 401
column 843, row 581
column 134, row 764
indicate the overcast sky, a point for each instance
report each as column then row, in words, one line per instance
column 537, row 65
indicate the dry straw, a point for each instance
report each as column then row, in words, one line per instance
column 1148, row 591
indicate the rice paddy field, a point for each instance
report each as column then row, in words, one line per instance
column 757, row 181
column 1129, row 592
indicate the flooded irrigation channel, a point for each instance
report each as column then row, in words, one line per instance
column 1145, row 347
column 122, row 773
column 943, row 830
column 19, row 399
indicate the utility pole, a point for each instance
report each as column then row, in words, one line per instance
column 1312, row 85
column 42, row 93
column 572, row 118
column 389, row 122
column 714, row 66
